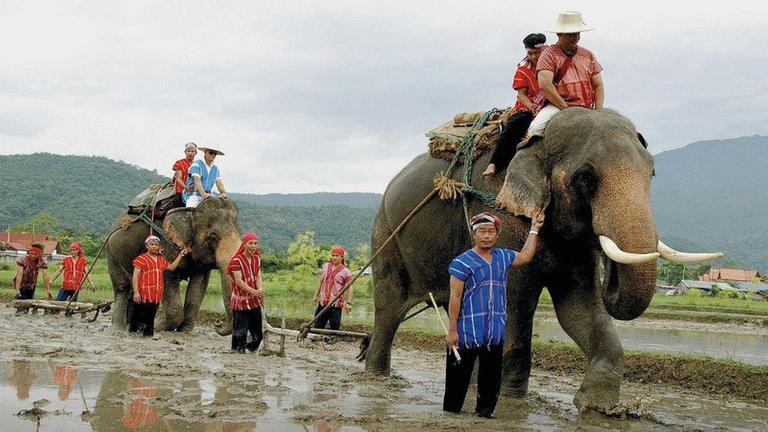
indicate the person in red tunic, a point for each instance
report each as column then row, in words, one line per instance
column 244, row 270
column 25, row 281
column 147, row 283
column 73, row 268
column 527, row 87
column 335, row 276
column 180, row 173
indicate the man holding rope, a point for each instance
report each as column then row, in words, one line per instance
column 477, row 312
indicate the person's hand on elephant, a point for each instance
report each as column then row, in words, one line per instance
column 537, row 222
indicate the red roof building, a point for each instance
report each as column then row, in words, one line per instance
column 23, row 241
column 729, row 275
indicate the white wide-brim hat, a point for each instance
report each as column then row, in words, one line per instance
column 207, row 149
column 570, row 22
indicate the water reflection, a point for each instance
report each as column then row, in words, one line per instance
column 22, row 374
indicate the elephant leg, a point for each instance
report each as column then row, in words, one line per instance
column 522, row 299
column 173, row 314
column 226, row 297
column 582, row 315
column 121, row 308
column 198, row 284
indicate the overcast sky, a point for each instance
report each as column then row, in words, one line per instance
column 336, row 96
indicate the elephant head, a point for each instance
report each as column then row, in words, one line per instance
column 213, row 232
column 591, row 174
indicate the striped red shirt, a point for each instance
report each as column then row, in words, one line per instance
column 333, row 281
column 525, row 77
column 182, row 165
column 575, row 86
column 74, row 273
column 151, row 276
column 249, row 269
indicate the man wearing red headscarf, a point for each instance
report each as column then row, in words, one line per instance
column 244, row 271
column 73, row 268
column 335, row 276
column 25, row 281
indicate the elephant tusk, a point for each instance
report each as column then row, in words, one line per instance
column 612, row 250
column 674, row 256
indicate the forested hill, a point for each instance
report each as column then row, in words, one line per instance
column 714, row 195
column 87, row 193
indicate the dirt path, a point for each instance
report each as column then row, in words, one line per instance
column 198, row 385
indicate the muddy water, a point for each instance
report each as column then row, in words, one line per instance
column 74, row 376
column 723, row 341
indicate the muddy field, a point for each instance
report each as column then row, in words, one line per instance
column 192, row 382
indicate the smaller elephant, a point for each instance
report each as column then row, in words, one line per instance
column 212, row 231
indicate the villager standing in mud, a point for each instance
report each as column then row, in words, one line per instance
column 181, row 172
column 477, row 312
column 527, row 87
column 25, row 281
column 569, row 75
column 334, row 277
column 244, row 270
column 147, row 283
column 74, row 271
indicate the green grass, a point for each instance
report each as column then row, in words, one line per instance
column 289, row 294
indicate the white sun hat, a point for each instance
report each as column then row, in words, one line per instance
column 570, row 22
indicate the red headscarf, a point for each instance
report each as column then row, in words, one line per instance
column 39, row 250
column 338, row 250
column 76, row 245
column 484, row 218
column 246, row 238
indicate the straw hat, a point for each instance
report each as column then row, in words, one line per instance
column 207, row 149
column 570, row 22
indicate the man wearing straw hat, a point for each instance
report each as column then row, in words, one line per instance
column 477, row 312
column 202, row 176
column 568, row 74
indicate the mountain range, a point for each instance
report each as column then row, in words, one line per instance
column 708, row 195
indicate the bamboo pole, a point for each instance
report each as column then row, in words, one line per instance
column 440, row 318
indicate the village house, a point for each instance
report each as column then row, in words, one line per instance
column 17, row 244
column 729, row 275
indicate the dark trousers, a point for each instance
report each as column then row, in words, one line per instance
column 66, row 294
column 511, row 135
column 143, row 318
column 457, row 376
column 244, row 321
column 26, row 294
column 332, row 316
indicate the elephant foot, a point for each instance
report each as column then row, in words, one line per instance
column 517, row 390
column 225, row 329
column 187, row 326
column 599, row 398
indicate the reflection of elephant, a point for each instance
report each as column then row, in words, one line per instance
column 591, row 175
column 213, row 233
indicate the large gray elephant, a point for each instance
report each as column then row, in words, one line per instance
column 211, row 230
column 591, row 176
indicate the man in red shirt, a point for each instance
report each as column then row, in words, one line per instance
column 180, row 173
column 569, row 75
column 527, row 88
column 147, row 283
column 244, row 270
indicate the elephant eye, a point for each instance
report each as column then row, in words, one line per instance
column 585, row 180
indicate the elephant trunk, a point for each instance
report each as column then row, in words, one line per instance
column 630, row 269
column 227, row 248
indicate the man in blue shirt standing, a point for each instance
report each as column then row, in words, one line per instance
column 202, row 176
column 477, row 312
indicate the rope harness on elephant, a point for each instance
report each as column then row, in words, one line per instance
column 446, row 188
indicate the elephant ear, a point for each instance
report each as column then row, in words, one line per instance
column 178, row 225
column 526, row 188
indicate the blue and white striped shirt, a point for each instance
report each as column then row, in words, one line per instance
column 483, row 313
